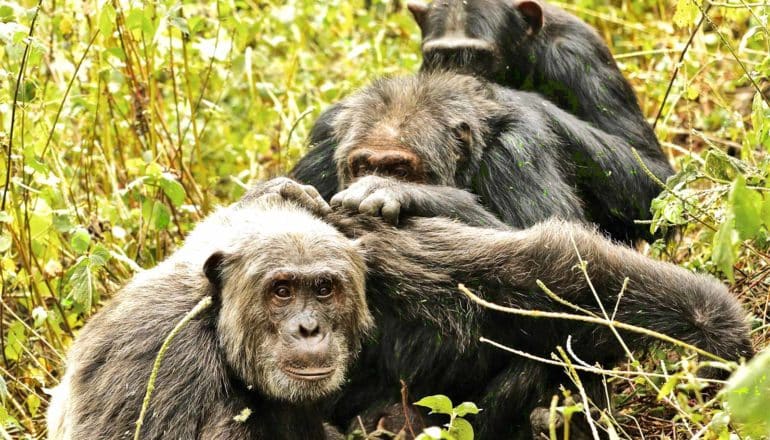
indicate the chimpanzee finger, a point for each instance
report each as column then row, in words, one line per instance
column 295, row 192
column 320, row 203
column 391, row 210
column 337, row 199
column 372, row 205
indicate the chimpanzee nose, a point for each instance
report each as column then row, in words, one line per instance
column 308, row 330
column 396, row 163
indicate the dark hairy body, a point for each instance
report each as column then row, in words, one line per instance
column 427, row 331
column 287, row 319
column 530, row 44
column 479, row 152
column 230, row 358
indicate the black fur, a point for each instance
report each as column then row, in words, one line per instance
column 560, row 56
column 427, row 331
column 528, row 161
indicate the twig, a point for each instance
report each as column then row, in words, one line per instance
column 619, row 374
column 678, row 65
column 727, row 44
column 202, row 305
column 22, row 68
column 583, row 397
column 588, row 319
column 405, row 408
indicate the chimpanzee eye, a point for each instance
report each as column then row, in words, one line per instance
column 282, row 291
column 324, row 289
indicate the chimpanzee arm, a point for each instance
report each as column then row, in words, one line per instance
column 616, row 188
column 392, row 198
column 521, row 176
column 601, row 167
column 582, row 65
column 660, row 296
column 317, row 167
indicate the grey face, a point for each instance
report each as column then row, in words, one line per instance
column 293, row 312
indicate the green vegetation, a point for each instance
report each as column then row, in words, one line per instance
column 124, row 122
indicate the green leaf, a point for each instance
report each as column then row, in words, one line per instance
column 747, row 396
column 243, row 415
column 437, row 404
column 668, row 387
column 686, row 12
column 719, row 166
column 432, row 433
column 461, row 429
column 100, row 256
column 80, row 240
column 176, row 20
column 156, row 213
column 161, row 216
column 724, row 248
column 466, row 408
column 747, row 207
column 107, row 19
column 5, row 243
column 81, row 283
column 766, row 211
column 33, row 403
column 15, row 340
column 172, row 189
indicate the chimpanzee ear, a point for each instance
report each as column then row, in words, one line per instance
column 532, row 12
column 419, row 11
column 213, row 268
column 462, row 132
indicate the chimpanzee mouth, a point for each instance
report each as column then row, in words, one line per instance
column 309, row 374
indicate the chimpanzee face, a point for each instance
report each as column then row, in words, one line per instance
column 293, row 310
column 474, row 36
column 400, row 128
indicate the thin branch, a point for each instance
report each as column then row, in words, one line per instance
column 589, row 319
column 678, row 65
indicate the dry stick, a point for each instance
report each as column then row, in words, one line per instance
column 678, row 65
column 589, row 319
column 583, row 397
column 617, row 374
column 202, row 305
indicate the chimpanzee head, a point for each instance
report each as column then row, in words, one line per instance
column 476, row 37
column 429, row 128
column 292, row 306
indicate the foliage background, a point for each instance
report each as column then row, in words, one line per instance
column 123, row 122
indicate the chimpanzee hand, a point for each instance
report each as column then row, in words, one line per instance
column 392, row 198
column 284, row 188
column 375, row 195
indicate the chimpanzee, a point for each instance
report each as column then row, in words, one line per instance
column 427, row 331
column 530, row 44
column 441, row 133
column 288, row 318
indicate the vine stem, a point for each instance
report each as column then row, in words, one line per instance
column 202, row 305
